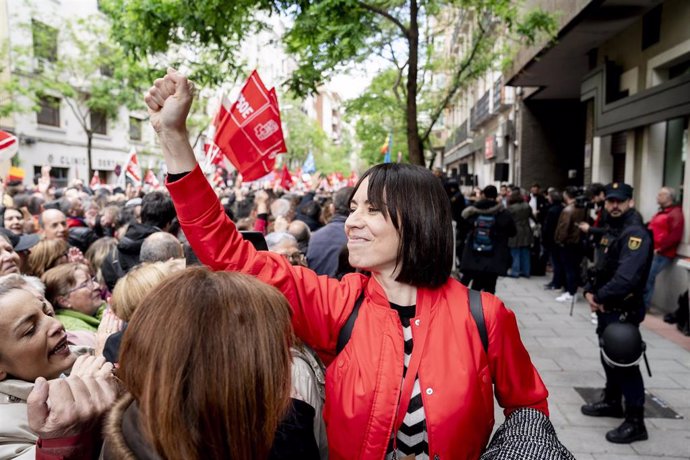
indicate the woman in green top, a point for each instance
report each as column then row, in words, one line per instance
column 76, row 295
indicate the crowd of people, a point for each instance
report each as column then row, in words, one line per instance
column 198, row 322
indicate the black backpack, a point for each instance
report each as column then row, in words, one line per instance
column 475, row 309
column 483, row 233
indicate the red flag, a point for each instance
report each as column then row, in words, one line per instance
column 286, row 178
column 151, row 179
column 352, row 180
column 251, row 135
column 131, row 172
column 8, row 145
column 95, row 180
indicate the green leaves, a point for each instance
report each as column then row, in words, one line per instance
column 327, row 36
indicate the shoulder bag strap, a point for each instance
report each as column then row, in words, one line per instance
column 346, row 331
column 478, row 315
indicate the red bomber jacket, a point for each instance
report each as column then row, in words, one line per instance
column 364, row 382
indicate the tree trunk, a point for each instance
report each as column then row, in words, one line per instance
column 89, row 172
column 414, row 144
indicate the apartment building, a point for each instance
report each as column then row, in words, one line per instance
column 610, row 101
column 53, row 135
column 479, row 121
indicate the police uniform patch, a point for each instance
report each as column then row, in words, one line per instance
column 634, row 243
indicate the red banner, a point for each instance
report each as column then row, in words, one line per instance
column 250, row 134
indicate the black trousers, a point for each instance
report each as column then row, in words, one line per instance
column 480, row 281
column 621, row 381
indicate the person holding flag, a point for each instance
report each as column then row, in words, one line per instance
column 448, row 380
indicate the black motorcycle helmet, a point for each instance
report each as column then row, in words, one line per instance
column 622, row 345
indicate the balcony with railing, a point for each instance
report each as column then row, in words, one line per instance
column 460, row 135
column 481, row 111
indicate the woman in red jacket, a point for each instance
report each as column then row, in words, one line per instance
column 414, row 378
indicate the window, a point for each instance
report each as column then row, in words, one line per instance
column 134, row 129
column 49, row 112
column 58, row 176
column 45, row 41
column 676, row 154
column 106, row 66
column 99, row 122
column 651, row 27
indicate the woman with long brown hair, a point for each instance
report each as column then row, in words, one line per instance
column 215, row 381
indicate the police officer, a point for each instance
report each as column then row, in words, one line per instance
column 614, row 292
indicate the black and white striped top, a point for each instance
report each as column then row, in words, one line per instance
column 412, row 437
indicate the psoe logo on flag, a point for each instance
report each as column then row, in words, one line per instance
column 265, row 131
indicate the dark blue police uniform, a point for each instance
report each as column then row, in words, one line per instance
column 617, row 282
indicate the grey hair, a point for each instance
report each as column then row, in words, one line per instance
column 280, row 207
column 159, row 247
column 274, row 239
column 671, row 193
column 15, row 281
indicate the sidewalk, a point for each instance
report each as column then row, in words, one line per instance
column 565, row 351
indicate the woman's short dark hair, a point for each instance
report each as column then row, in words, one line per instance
column 420, row 211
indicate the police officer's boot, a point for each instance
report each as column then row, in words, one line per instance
column 608, row 406
column 632, row 429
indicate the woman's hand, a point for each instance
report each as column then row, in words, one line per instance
column 74, row 255
column 168, row 101
column 63, row 408
column 110, row 324
column 87, row 366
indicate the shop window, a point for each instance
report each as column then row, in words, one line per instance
column 99, row 122
column 676, row 154
column 58, row 176
column 49, row 111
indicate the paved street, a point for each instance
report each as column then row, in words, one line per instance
column 564, row 350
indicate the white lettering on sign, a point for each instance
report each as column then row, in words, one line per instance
column 263, row 132
column 244, row 107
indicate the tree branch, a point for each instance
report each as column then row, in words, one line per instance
column 456, row 83
column 396, row 86
column 385, row 14
column 81, row 117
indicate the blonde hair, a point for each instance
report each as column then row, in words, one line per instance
column 131, row 289
column 99, row 250
column 45, row 255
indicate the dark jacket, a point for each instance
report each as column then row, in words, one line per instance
column 325, row 245
column 618, row 279
column 118, row 263
column 125, row 440
column 567, row 231
column 498, row 260
column 550, row 221
column 521, row 214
